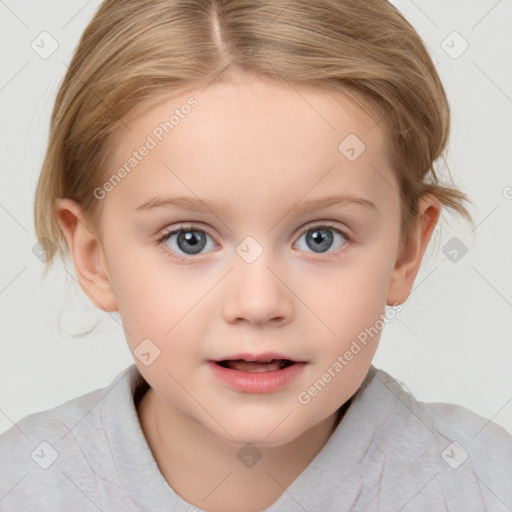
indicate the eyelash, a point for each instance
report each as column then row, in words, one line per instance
column 190, row 227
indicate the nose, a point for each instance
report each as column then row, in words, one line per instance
column 257, row 294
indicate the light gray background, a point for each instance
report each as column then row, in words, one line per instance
column 452, row 342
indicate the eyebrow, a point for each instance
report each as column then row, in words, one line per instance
column 198, row 205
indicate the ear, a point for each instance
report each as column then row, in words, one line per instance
column 87, row 253
column 411, row 253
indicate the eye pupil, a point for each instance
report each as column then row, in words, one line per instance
column 189, row 237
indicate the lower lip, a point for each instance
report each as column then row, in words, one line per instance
column 256, row 382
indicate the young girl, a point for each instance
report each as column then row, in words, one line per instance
column 292, row 146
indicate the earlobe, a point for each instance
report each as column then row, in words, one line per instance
column 86, row 252
column 409, row 258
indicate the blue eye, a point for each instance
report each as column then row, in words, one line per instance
column 321, row 238
column 189, row 241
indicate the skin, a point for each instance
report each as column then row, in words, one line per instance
column 256, row 149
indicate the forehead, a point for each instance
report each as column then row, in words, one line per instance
column 252, row 138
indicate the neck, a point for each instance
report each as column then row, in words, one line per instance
column 210, row 473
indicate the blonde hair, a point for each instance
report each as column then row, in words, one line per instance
column 134, row 51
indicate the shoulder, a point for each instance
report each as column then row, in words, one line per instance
column 448, row 420
column 476, row 450
column 39, row 453
column 464, row 457
column 55, row 425
column 57, row 454
column 487, row 444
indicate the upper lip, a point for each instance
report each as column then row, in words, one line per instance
column 266, row 356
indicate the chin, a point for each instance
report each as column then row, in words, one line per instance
column 258, row 432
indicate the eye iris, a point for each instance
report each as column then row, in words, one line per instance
column 321, row 239
column 194, row 238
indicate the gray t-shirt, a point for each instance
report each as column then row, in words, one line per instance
column 389, row 453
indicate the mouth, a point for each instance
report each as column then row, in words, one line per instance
column 263, row 373
column 242, row 365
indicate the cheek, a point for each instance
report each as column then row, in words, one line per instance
column 355, row 295
column 354, row 309
column 161, row 302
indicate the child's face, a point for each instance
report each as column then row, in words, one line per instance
column 253, row 153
